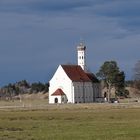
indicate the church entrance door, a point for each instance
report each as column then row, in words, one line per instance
column 56, row 100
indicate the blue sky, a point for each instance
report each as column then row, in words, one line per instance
column 38, row 35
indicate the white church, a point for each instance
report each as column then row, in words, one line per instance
column 73, row 84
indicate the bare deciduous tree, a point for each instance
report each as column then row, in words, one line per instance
column 137, row 75
column 137, row 71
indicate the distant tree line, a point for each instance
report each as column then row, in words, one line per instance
column 23, row 87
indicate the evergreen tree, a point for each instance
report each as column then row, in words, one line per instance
column 110, row 73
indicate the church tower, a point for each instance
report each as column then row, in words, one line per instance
column 81, row 49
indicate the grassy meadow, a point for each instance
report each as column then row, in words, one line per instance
column 71, row 122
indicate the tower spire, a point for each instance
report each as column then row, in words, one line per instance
column 81, row 48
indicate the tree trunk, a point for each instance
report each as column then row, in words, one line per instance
column 109, row 92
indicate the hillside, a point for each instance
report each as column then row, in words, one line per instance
column 133, row 92
column 39, row 95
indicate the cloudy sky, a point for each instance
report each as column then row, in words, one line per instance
column 38, row 35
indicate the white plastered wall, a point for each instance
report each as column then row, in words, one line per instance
column 62, row 81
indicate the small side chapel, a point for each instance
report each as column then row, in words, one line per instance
column 73, row 84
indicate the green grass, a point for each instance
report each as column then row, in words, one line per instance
column 80, row 123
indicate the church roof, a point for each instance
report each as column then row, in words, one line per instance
column 58, row 92
column 76, row 73
column 92, row 77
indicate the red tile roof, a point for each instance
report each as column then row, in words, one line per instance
column 76, row 73
column 58, row 92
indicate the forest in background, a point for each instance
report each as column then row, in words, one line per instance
column 23, row 87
